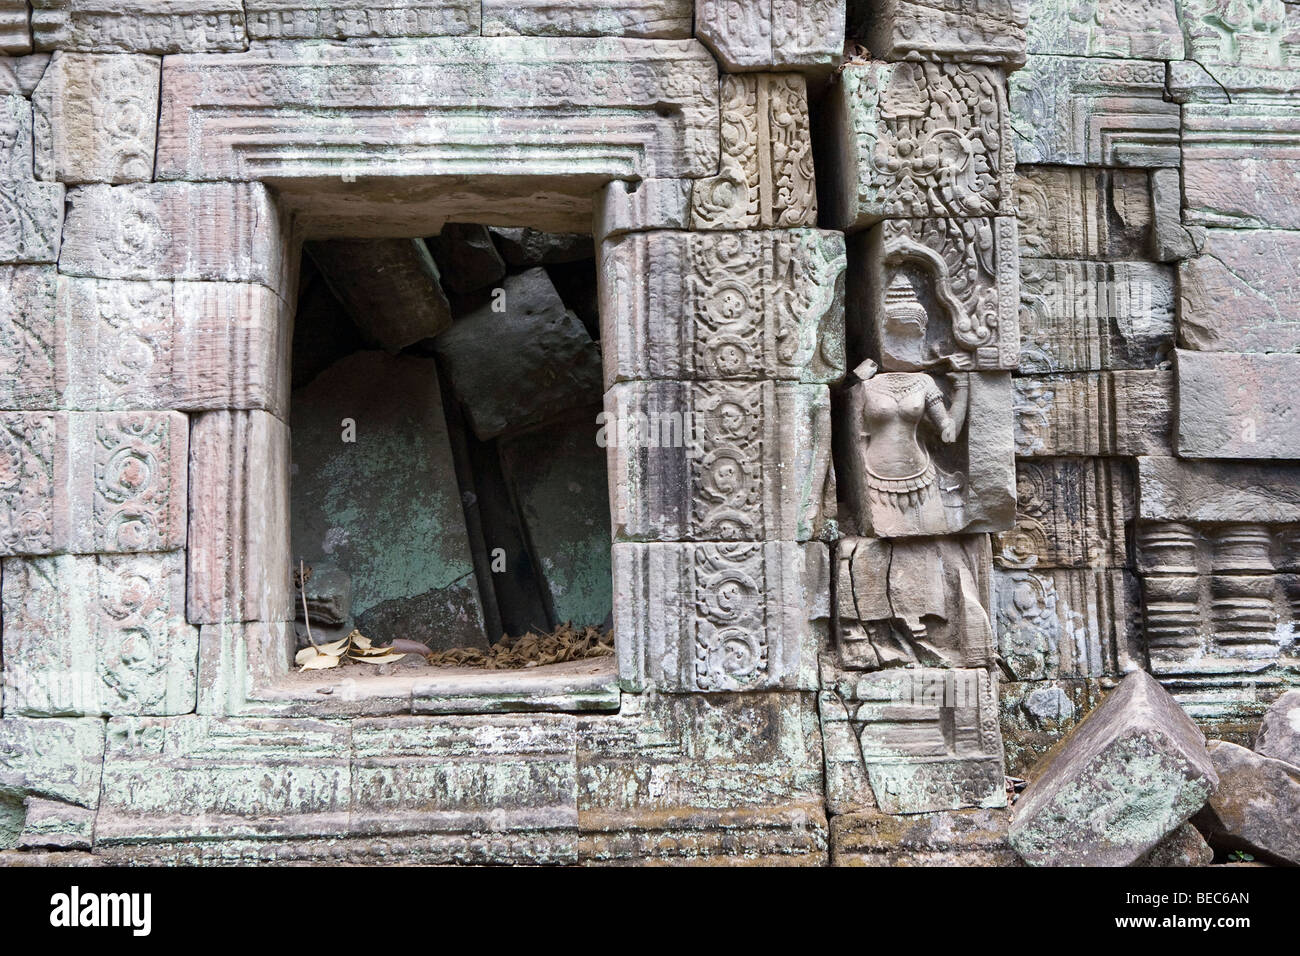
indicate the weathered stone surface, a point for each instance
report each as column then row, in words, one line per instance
column 1119, row 28
column 983, row 31
column 646, row 19
column 239, row 558
column 928, row 738
column 56, row 759
column 98, row 635
column 385, row 507
column 31, row 221
column 1279, row 735
column 1130, row 773
column 525, row 248
column 635, row 207
column 1094, row 112
column 535, row 347
column 1171, row 240
column 389, row 287
column 718, row 461
column 1068, row 212
column 935, row 294
column 1184, row 847
column 15, row 33
column 1094, row 413
column 216, row 232
column 916, row 140
column 766, row 178
column 723, row 306
column 15, row 137
column 162, row 26
column 1236, row 405
column 1242, row 293
column 1070, row 513
column 353, row 20
column 1256, row 805
column 97, row 118
column 557, row 474
column 1036, row 714
column 467, row 258
column 1172, row 490
column 28, row 350
column 719, row 617
column 1259, row 34
column 327, row 592
column 974, row 837
column 531, row 96
column 772, row 34
column 87, row 483
column 55, row 825
column 20, row 74
column 1084, row 316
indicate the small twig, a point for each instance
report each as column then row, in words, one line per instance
column 302, row 589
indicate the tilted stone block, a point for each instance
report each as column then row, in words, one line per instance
column 355, row 20
column 1080, row 111
column 31, row 221
column 1255, row 806
column 1279, row 734
column 1070, row 513
column 1237, row 405
column 723, row 306
column 1094, row 413
column 1242, row 293
column 772, row 34
column 927, row 738
column 20, row 74
column 718, row 461
column 15, row 137
column 161, row 26
column 646, row 19
column 1173, row 490
column 1118, row 28
column 28, row 349
column 719, row 616
column 981, row 31
column 217, row 232
column 1129, row 774
column 636, row 207
column 917, row 140
column 97, row 118
column 239, row 557
column 94, row 482
column 1084, row 316
column 98, row 634
column 15, row 34
column 1171, row 239
column 244, row 116
column 766, row 178
column 1069, row 212
column 59, row 759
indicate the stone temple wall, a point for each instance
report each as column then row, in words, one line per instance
column 1065, row 234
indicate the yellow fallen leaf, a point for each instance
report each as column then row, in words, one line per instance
column 335, row 648
column 321, row 662
column 377, row 659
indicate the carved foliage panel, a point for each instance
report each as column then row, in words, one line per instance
column 980, row 31
column 1070, row 512
column 15, row 137
column 1261, row 33
column 31, row 221
column 175, row 26
column 772, row 34
column 353, row 20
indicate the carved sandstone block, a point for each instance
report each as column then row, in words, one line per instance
column 1070, row 513
column 1094, row 413
column 161, row 26
column 917, row 140
column 1242, row 293
column 239, row 558
column 31, row 221
column 981, row 31
column 1173, row 490
column 20, row 74
column 215, row 232
column 718, row 461
column 60, row 759
column 1255, row 805
column 1085, row 316
column 734, row 305
column 646, row 19
column 15, row 34
column 721, row 616
column 98, row 634
column 97, row 118
column 270, row 115
column 1081, row 111
column 766, row 178
column 636, row 207
column 354, row 20
column 1083, row 213
column 772, row 34
column 1118, row 28
column 28, row 350
column 1237, row 405
column 1260, row 34
column 15, row 137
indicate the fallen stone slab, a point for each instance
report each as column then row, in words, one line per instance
column 1256, row 806
column 467, row 258
column 1184, row 847
column 532, row 247
column 1128, row 775
column 1279, row 734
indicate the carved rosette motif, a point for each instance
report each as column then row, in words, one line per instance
column 27, row 482
column 731, row 645
column 727, row 476
column 132, row 488
column 134, row 646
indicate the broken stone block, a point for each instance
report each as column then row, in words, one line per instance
column 28, row 297
column 1256, row 806
column 515, row 368
column 102, row 634
column 557, row 476
column 1069, row 212
column 772, row 35
column 880, row 114
column 637, row 207
column 52, row 758
column 526, row 248
column 328, row 594
column 467, row 258
column 1117, row 28
column 1242, row 294
column 1128, row 775
column 1035, row 715
column 1184, row 847
column 15, row 137
column 1170, row 239
column 1279, row 735
column 643, row 19
column 389, row 287
column 729, row 305
column 177, row 26
column 55, row 825
column 33, row 216
column 982, row 31
column 96, row 118
column 374, row 492
column 1237, row 405
column 20, row 74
